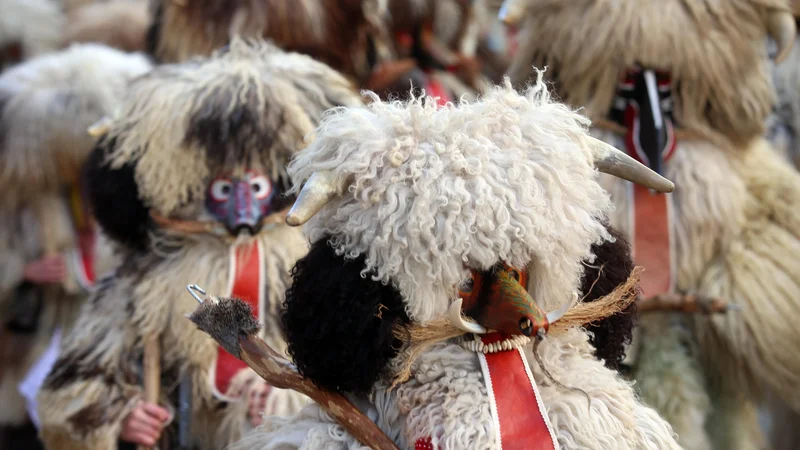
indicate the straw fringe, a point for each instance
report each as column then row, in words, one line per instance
column 420, row 338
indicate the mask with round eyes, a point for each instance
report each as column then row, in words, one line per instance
column 241, row 203
column 498, row 300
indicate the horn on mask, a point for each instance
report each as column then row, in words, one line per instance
column 320, row 188
column 612, row 161
column 782, row 28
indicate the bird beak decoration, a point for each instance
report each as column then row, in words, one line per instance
column 497, row 300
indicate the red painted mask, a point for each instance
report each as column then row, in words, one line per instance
column 241, row 203
column 498, row 300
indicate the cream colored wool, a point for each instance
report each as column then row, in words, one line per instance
column 147, row 294
column 47, row 104
column 739, row 242
column 147, row 297
column 435, row 191
column 35, row 24
column 670, row 378
column 736, row 221
column 21, row 242
column 714, row 51
column 485, row 167
column 282, row 84
column 427, row 406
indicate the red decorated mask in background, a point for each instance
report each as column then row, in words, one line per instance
column 241, row 203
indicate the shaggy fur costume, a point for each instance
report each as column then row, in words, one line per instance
column 121, row 24
column 46, row 104
column 784, row 134
column 248, row 107
column 743, row 231
column 736, row 204
column 339, row 33
column 713, row 50
column 34, row 27
column 432, row 193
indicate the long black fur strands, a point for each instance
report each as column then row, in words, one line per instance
column 114, row 198
column 338, row 323
column 611, row 268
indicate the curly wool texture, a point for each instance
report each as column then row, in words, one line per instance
column 339, row 324
column 437, row 190
column 447, row 400
column 714, row 51
column 47, row 104
column 251, row 103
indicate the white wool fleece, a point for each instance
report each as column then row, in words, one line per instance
column 436, row 191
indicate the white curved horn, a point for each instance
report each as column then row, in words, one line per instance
column 316, row 193
column 553, row 316
column 781, row 26
column 511, row 12
column 609, row 160
column 457, row 320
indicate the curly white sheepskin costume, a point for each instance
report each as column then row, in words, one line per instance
column 433, row 193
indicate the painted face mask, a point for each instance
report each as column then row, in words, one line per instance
column 643, row 105
column 241, row 203
column 497, row 300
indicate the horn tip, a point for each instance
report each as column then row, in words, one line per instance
column 293, row 220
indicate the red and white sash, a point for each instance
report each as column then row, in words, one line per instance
column 247, row 278
column 512, row 394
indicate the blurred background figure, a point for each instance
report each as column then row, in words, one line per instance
column 51, row 252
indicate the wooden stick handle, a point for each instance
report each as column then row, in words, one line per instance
column 270, row 366
column 152, row 373
column 685, row 303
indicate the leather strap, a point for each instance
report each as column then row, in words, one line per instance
column 652, row 244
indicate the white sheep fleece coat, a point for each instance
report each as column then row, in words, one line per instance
column 437, row 191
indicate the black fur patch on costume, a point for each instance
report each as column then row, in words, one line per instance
column 243, row 134
column 114, row 198
column 226, row 322
column 611, row 334
column 338, row 323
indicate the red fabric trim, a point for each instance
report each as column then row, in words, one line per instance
column 522, row 425
column 436, row 90
column 246, row 266
column 86, row 246
column 651, row 240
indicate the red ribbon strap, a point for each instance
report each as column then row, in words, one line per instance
column 247, row 283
